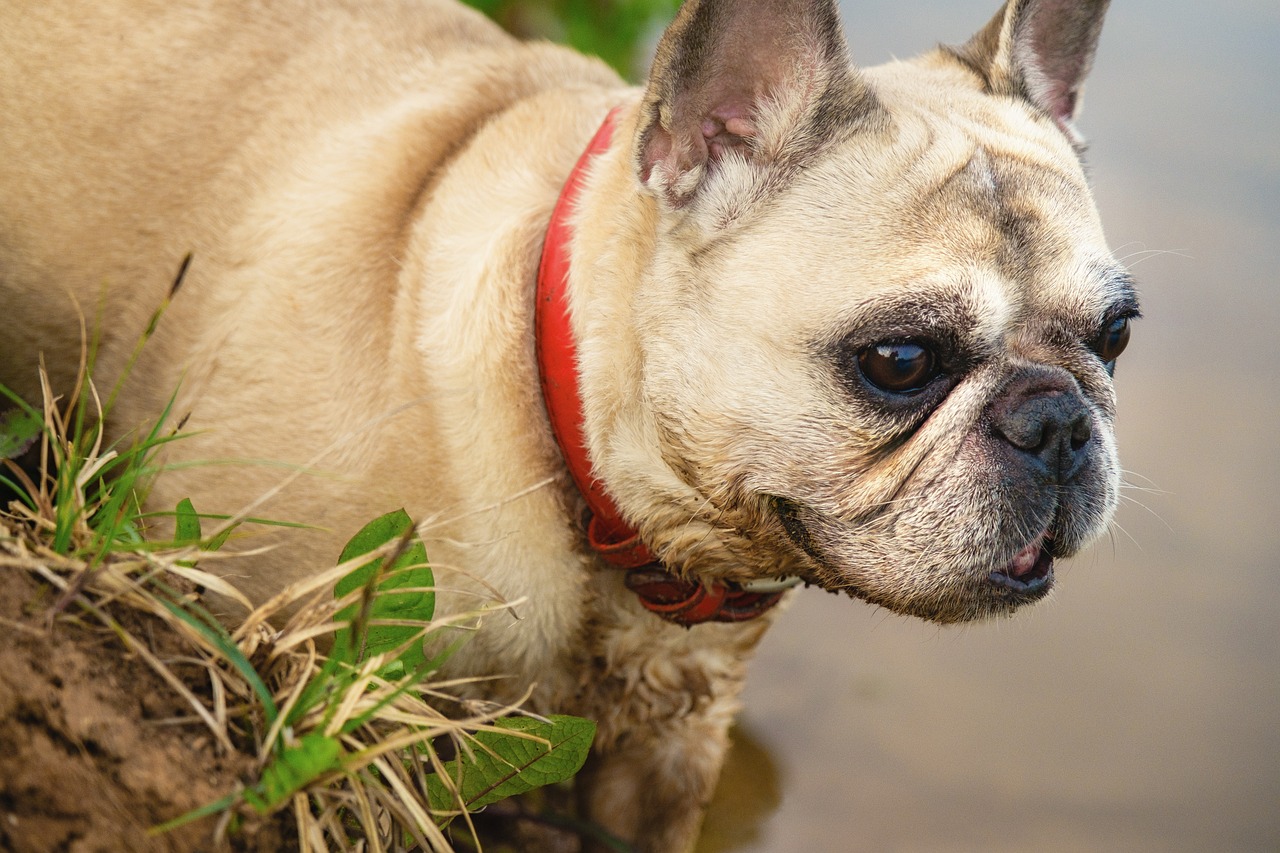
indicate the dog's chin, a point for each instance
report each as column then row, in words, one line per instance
column 955, row 591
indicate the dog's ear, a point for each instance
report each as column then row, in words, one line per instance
column 765, row 80
column 1040, row 50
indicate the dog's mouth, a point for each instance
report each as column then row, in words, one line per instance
column 1025, row 578
column 1030, row 573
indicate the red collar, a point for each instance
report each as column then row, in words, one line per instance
column 677, row 599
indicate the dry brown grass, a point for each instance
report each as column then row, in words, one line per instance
column 352, row 749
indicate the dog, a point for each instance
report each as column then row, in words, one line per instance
column 848, row 326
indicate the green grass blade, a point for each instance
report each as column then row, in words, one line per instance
column 213, row 808
column 220, row 639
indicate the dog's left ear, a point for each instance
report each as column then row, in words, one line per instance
column 1040, row 50
column 765, row 80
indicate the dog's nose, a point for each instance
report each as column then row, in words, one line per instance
column 1044, row 416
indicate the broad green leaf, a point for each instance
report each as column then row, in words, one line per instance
column 19, row 429
column 186, row 530
column 505, row 765
column 186, row 527
column 293, row 769
column 409, row 570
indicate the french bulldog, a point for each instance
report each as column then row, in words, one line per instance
column 852, row 326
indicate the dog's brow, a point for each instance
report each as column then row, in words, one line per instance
column 1121, row 288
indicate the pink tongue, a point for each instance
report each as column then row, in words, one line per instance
column 1025, row 560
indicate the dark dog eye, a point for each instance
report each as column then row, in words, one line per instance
column 899, row 368
column 1112, row 340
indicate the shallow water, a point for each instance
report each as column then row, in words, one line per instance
column 1138, row 709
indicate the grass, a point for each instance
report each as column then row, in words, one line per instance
column 352, row 751
column 621, row 32
column 353, row 742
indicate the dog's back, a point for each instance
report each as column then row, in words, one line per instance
column 295, row 151
column 135, row 133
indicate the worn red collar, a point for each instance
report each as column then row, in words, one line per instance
column 677, row 599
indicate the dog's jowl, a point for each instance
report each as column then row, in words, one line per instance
column 770, row 318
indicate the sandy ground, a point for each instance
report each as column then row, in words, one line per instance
column 86, row 760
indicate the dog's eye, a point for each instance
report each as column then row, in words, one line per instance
column 899, row 368
column 1112, row 340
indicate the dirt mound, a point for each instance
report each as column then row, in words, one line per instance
column 90, row 755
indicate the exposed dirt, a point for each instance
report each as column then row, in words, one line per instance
column 87, row 761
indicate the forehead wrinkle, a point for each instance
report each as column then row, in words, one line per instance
column 1029, row 211
column 936, row 161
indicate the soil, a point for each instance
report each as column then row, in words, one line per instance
column 90, row 758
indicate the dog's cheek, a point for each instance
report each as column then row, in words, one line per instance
column 982, row 505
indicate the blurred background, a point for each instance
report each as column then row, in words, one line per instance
column 1139, row 708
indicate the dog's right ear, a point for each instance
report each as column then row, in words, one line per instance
column 764, row 80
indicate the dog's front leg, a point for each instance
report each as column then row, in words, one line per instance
column 652, row 786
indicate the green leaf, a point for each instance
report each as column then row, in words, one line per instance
column 293, row 768
column 186, row 530
column 19, row 429
column 506, row 764
column 186, row 527
column 356, row 642
column 221, row 539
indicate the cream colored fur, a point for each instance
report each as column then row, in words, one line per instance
column 363, row 188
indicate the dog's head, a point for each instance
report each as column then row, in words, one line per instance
column 872, row 340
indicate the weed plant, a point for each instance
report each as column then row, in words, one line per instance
column 353, row 742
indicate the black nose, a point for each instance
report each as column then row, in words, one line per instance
column 1043, row 415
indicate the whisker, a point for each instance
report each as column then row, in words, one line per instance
column 1142, row 255
column 1154, row 514
column 1128, row 473
column 696, row 515
column 1130, row 487
column 1118, row 526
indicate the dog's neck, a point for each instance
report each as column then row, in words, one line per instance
column 678, row 599
column 609, row 535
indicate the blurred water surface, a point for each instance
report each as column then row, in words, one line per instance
column 1138, row 709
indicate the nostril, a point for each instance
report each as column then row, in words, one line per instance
column 1049, row 424
column 1032, row 423
column 1081, row 431
column 1024, row 426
